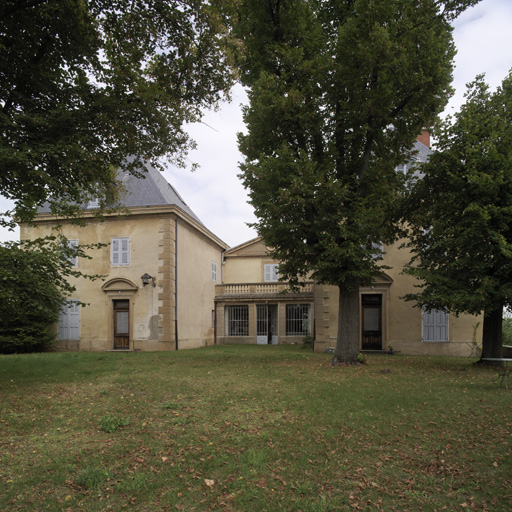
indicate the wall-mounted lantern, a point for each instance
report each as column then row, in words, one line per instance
column 145, row 279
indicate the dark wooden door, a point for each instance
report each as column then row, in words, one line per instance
column 121, row 324
column 371, row 307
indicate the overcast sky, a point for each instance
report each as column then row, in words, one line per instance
column 483, row 37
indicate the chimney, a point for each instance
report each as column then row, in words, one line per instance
column 424, row 138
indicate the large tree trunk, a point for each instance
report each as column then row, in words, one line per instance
column 349, row 325
column 492, row 336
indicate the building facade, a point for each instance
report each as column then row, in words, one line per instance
column 159, row 266
column 252, row 306
column 169, row 283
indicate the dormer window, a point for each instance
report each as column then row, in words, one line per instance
column 93, row 203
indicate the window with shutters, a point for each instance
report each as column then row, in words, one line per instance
column 119, row 252
column 69, row 321
column 214, row 271
column 271, row 272
column 73, row 260
column 435, row 326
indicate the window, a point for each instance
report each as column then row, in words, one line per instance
column 271, row 272
column 297, row 319
column 120, row 252
column 74, row 259
column 237, row 320
column 377, row 250
column 435, row 325
column 214, row 271
column 69, row 321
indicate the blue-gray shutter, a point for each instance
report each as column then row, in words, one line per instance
column 435, row 325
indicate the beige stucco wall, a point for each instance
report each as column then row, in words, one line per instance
column 401, row 320
column 196, row 288
column 152, row 308
column 247, row 269
column 96, row 323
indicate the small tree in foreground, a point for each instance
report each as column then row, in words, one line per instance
column 338, row 93
column 460, row 214
column 35, row 286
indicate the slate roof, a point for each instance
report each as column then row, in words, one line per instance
column 152, row 190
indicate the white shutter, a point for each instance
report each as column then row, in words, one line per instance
column 120, row 251
column 63, row 324
column 214, row 271
column 69, row 321
column 115, row 251
column 74, row 260
column 271, row 272
column 125, row 251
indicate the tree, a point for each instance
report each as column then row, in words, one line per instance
column 86, row 83
column 339, row 90
column 35, row 286
column 460, row 214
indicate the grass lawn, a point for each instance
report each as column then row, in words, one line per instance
column 251, row 428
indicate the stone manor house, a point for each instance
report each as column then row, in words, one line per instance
column 173, row 284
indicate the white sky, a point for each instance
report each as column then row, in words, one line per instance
column 483, row 37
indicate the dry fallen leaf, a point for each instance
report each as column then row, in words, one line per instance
column 209, row 483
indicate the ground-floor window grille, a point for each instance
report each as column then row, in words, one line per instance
column 261, row 320
column 297, row 319
column 237, row 320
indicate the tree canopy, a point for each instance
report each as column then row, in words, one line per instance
column 86, row 83
column 460, row 213
column 339, row 90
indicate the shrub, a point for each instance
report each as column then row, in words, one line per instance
column 111, row 423
column 308, row 342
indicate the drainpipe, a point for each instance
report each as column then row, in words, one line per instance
column 176, row 281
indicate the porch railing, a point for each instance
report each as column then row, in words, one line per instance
column 259, row 288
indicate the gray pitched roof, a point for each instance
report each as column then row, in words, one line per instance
column 152, row 190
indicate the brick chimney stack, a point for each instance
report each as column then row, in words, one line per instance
column 424, row 138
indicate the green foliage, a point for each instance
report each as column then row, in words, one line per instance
column 308, row 342
column 336, row 102
column 362, row 358
column 460, row 213
column 84, row 84
column 111, row 423
column 33, row 287
column 92, row 478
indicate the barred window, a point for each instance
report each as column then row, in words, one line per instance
column 297, row 319
column 237, row 320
